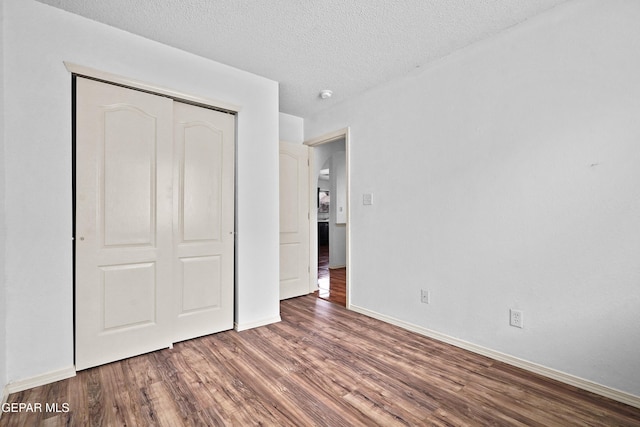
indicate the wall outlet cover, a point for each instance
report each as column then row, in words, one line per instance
column 516, row 318
column 425, row 297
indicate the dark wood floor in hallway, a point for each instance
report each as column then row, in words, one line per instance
column 321, row 366
column 332, row 283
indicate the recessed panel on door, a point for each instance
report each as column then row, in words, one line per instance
column 129, row 295
column 201, row 284
column 289, row 261
column 202, row 181
column 128, row 176
column 290, row 201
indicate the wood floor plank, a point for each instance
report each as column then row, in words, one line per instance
column 78, row 398
column 323, row 366
column 117, row 400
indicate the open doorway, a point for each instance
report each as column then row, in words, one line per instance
column 329, row 218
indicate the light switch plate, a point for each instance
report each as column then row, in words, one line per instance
column 367, row 199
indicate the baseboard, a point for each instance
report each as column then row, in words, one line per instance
column 611, row 393
column 5, row 395
column 244, row 326
column 37, row 381
column 334, row 267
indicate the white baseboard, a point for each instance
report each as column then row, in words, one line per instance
column 244, row 326
column 37, row 381
column 611, row 393
column 5, row 396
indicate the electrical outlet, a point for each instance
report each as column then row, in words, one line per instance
column 425, row 297
column 516, row 318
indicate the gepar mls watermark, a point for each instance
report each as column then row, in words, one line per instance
column 17, row 407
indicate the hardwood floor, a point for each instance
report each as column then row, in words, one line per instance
column 332, row 283
column 322, row 365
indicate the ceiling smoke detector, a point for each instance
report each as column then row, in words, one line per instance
column 326, row 94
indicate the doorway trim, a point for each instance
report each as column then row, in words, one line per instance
column 313, row 224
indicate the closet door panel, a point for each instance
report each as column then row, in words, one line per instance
column 204, row 220
column 128, row 176
column 202, row 182
column 123, row 239
column 200, row 294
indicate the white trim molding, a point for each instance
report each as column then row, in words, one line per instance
column 611, row 393
column 37, row 381
column 245, row 326
column 328, row 137
column 344, row 133
column 5, row 397
column 159, row 90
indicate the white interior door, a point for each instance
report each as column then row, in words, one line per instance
column 294, row 220
column 154, row 222
column 124, row 203
column 203, row 220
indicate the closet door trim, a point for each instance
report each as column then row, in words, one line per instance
column 118, row 80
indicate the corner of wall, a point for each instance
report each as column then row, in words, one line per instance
column 3, row 311
column 291, row 128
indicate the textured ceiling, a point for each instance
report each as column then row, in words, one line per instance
column 310, row 45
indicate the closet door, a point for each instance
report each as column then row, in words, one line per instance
column 124, row 209
column 203, row 221
column 154, row 222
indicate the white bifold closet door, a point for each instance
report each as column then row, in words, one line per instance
column 154, row 222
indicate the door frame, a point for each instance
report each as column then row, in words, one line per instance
column 343, row 133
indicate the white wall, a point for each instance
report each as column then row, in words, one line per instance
column 3, row 311
column 339, row 174
column 291, row 128
column 507, row 176
column 38, row 167
column 338, row 210
column 333, row 156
